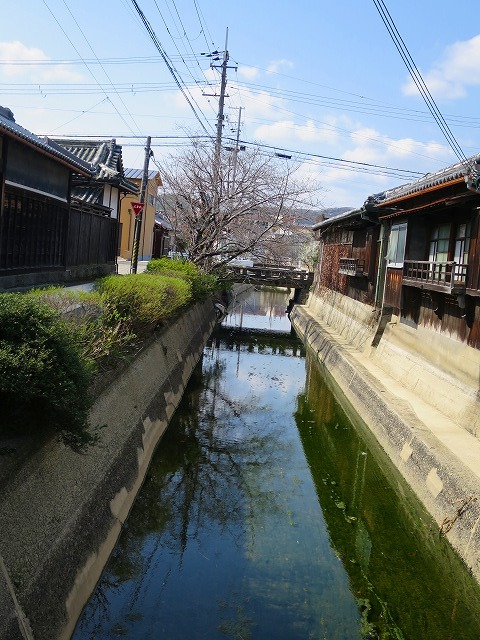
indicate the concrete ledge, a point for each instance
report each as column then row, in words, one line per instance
column 352, row 319
column 439, row 460
column 62, row 512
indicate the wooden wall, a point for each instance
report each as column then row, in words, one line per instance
column 92, row 239
column 32, row 232
column 329, row 276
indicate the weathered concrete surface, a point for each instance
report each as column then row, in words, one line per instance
column 439, row 459
column 61, row 512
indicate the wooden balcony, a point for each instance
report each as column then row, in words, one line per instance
column 447, row 277
column 351, row 267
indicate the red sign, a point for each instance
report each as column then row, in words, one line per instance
column 137, row 207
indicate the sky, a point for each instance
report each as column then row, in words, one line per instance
column 319, row 81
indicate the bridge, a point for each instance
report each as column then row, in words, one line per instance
column 272, row 276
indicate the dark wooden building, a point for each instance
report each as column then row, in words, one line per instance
column 431, row 251
column 58, row 207
column 349, row 255
column 413, row 252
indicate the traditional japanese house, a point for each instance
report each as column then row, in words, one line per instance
column 162, row 237
column 37, row 225
column 432, row 255
column 109, row 183
column 348, row 255
column 399, row 279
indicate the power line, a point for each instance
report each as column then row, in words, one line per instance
column 317, row 155
column 417, row 78
column 159, row 48
column 90, row 71
column 103, row 68
column 301, row 155
column 201, row 20
column 371, row 106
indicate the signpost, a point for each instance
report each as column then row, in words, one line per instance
column 137, row 208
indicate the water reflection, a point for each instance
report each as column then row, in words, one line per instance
column 265, row 515
column 407, row 580
column 260, row 309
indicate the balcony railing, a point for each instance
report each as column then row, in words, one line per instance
column 351, row 267
column 448, row 277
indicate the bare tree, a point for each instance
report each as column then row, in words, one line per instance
column 245, row 206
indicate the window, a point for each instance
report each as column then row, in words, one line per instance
column 460, row 256
column 151, row 200
column 439, row 243
column 462, row 244
column 396, row 245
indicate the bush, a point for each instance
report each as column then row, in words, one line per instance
column 144, row 300
column 203, row 284
column 44, row 379
column 99, row 330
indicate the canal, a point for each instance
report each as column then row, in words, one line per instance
column 267, row 513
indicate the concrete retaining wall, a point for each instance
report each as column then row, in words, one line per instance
column 432, row 365
column 354, row 321
column 62, row 512
column 439, row 460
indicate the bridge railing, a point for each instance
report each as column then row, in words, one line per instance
column 285, row 276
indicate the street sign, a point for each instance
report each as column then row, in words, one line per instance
column 137, row 208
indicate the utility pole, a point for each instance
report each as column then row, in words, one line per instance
column 138, row 220
column 221, row 102
column 236, row 148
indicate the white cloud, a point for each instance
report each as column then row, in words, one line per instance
column 249, row 73
column 287, row 132
column 277, row 65
column 450, row 76
column 373, row 147
column 17, row 51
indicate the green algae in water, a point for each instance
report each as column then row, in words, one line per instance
column 409, row 583
column 265, row 514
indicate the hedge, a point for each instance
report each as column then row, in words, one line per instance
column 44, row 379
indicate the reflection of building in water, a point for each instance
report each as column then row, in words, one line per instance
column 266, row 303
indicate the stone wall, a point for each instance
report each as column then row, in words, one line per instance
column 62, row 512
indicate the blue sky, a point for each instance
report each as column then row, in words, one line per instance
column 312, row 77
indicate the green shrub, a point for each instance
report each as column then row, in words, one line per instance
column 99, row 330
column 44, row 379
column 144, row 300
column 203, row 284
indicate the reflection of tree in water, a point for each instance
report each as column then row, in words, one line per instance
column 199, row 478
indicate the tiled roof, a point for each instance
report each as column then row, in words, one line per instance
column 105, row 156
column 430, row 180
column 346, row 215
column 10, row 127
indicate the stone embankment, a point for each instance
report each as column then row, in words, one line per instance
column 418, row 398
column 61, row 512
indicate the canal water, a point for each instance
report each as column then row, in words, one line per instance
column 268, row 514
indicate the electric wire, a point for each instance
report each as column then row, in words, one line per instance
column 418, row 79
column 89, row 70
column 103, row 68
column 371, row 106
column 201, row 20
column 159, row 48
